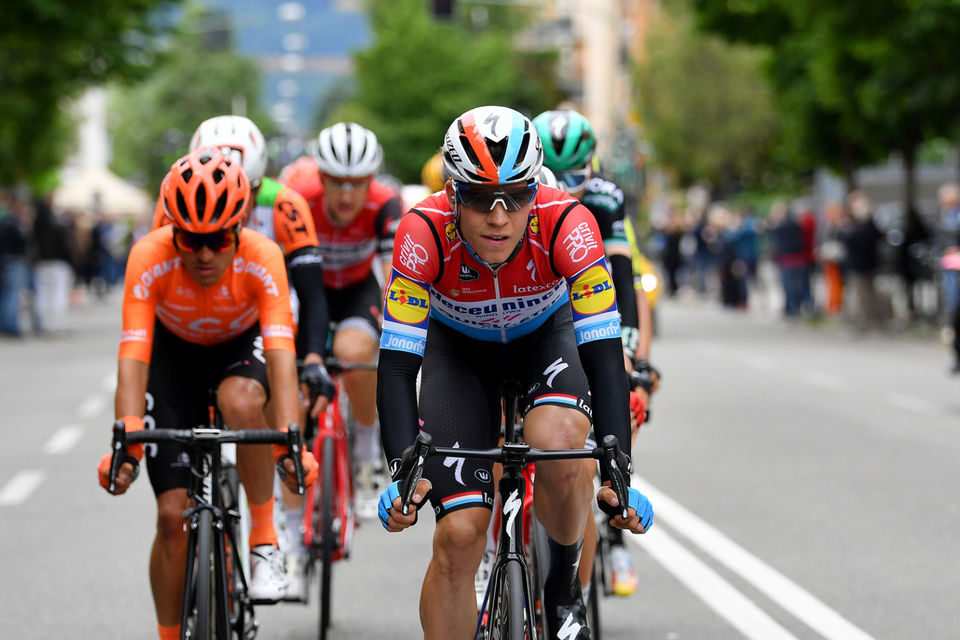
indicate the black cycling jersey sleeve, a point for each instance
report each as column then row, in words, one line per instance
column 609, row 389
column 397, row 401
column 386, row 225
column 306, row 275
column 621, row 270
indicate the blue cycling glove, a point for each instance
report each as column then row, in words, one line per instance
column 642, row 505
column 389, row 494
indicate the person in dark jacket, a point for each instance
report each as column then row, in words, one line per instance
column 14, row 267
column 861, row 238
column 53, row 271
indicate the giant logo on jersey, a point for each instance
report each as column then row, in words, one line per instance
column 592, row 292
column 407, row 301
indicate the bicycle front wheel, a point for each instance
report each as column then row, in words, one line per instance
column 506, row 610
column 200, row 625
column 324, row 499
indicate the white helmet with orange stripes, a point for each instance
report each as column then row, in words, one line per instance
column 491, row 146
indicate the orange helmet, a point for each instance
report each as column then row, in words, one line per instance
column 205, row 191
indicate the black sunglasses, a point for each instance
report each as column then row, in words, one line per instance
column 513, row 198
column 218, row 241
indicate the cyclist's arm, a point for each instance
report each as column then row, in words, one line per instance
column 284, row 387
column 130, row 398
column 388, row 219
column 644, row 325
column 306, row 276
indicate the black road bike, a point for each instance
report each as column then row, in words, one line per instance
column 513, row 606
column 216, row 604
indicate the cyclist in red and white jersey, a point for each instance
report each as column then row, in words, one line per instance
column 498, row 277
column 355, row 218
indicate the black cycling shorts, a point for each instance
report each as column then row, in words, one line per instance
column 182, row 374
column 357, row 306
column 462, row 407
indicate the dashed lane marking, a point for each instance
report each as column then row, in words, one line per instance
column 20, row 486
column 63, row 439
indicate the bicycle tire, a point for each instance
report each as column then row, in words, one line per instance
column 505, row 611
column 202, row 599
column 539, row 567
column 325, row 500
column 593, row 603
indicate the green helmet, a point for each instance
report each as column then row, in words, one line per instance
column 568, row 141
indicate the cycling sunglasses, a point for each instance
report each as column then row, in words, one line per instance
column 573, row 180
column 345, row 184
column 513, row 198
column 218, row 241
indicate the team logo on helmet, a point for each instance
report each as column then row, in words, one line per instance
column 407, row 301
column 593, row 292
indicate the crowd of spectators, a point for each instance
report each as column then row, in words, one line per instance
column 839, row 261
column 50, row 260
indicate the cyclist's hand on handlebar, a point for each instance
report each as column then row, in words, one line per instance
column 389, row 510
column 316, row 384
column 641, row 511
column 125, row 477
column 638, row 411
column 310, row 467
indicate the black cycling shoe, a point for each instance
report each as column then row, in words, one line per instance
column 567, row 621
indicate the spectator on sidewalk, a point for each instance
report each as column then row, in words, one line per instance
column 787, row 248
column 948, row 246
column 53, row 270
column 14, row 264
column 833, row 256
column 861, row 237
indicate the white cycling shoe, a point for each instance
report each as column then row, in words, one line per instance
column 297, row 562
column 268, row 579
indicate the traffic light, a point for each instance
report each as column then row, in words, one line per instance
column 443, row 9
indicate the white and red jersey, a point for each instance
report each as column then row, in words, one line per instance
column 348, row 249
column 437, row 276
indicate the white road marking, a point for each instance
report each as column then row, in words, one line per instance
column 91, row 406
column 20, row 486
column 823, row 380
column 706, row 584
column 63, row 439
column 912, row 403
column 793, row 598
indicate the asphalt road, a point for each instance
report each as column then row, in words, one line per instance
column 804, row 484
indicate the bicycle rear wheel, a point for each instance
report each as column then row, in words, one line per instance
column 593, row 602
column 323, row 496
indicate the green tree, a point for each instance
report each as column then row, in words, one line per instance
column 51, row 51
column 704, row 106
column 419, row 74
column 200, row 76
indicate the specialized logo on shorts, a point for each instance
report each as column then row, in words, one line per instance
column 534, row 223
column 593, row 292
column 407, row 301
column 451, row 230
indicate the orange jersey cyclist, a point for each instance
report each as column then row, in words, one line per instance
column 355, row 217
column 499, row 277
column 205, row 306
column 282, row 215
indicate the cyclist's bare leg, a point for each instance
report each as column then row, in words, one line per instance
column 168, row 556
column 564, row 488
column 356, row 345
column 448, row 605
column 241, row 401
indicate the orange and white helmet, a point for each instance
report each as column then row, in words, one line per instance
column 205, row 191
column 490, row 146
column 237, row 137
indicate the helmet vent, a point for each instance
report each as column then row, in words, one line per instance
column 239, row 207
column 182, row 206
column 221, row 205
column 201, row 201
column 187, row 175
column 217, row 176
column 524, row 143
column 471, row 154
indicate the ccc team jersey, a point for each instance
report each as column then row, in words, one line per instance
column 348, row 250
column 437, row 277
column 157, row 287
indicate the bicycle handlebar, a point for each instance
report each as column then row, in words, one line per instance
column 517, row 455
column 206, row 435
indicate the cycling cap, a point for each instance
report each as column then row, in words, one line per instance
column 492, row 145
column 347, row 150
column 432, row 176
column 239, row 139
column 568, row 141
column 205, row 191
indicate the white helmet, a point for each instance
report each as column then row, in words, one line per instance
column 239, row 139
column 492, row 145
column 546, row 177
column 347, row 150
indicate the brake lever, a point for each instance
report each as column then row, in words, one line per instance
column 119, row 444
column 612, row 456
column 295, row 444
column 421, row 449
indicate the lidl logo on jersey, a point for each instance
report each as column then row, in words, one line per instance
column 534, row 224
column 592, row 292
column 407, row 301
column 451, row 230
